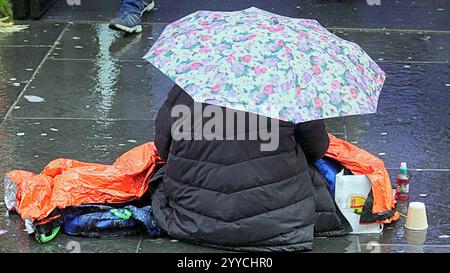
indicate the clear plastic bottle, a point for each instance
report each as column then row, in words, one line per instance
column 402, row 183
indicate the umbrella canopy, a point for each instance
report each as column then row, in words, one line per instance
column 256, row 61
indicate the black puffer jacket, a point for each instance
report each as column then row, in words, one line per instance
column 229, row 194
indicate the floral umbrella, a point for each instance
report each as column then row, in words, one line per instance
column 256, row 61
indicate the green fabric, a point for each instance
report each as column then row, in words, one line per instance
column 42, row 238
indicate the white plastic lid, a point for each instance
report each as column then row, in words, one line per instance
column 417, row 205
column 403, row 165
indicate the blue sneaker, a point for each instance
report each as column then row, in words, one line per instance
column 129, row 17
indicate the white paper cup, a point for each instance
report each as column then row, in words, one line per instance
column 417, row 216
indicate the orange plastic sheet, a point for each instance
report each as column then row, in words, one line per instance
column 66, row 182
column 361, row 162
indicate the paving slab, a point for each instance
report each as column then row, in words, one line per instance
column 344, row 244
column 37, row 34
column 17, row 65
column 432, row 14
column 92, row 10
column 168, row 245
column 412, row 111
column 99, row 89
column 336, row 127
column 373, row 248
column 85, row 140
column 378, row 14
column 97, row 41
column 400, row 46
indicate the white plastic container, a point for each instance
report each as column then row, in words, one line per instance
column 350, row 194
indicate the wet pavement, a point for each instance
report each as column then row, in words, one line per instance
column 100, row 99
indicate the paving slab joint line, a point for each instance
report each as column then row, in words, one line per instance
column 87, row 118
column 23, row 46
column 345, row 132
column 354, row 29
column 399, row 30
column 413, row 62
column 36, row 71
column 407, row 245
column 423, row 170
column 142, row 60
column 138, row 247
column 94, row 60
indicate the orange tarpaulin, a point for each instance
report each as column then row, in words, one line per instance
column 361, row 162
column 66, row 182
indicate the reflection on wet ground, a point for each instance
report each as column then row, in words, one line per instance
column 96, row 98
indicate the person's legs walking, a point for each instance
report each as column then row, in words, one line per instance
column 128, row 18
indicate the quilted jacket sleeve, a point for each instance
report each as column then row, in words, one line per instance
column 163, row 123
column 313, row 138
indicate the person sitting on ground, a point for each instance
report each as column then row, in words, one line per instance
column 230, row 194
column 128, row 18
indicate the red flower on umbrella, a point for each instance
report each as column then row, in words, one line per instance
column 206, row 38
column 316, row 69
column 216, row 88
column 205, row 49
column 246, row 58
column 360, row 69
column 354, row 93
column 318, row 102
column 260, row 70
column 268, row 89
column 194, row 66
